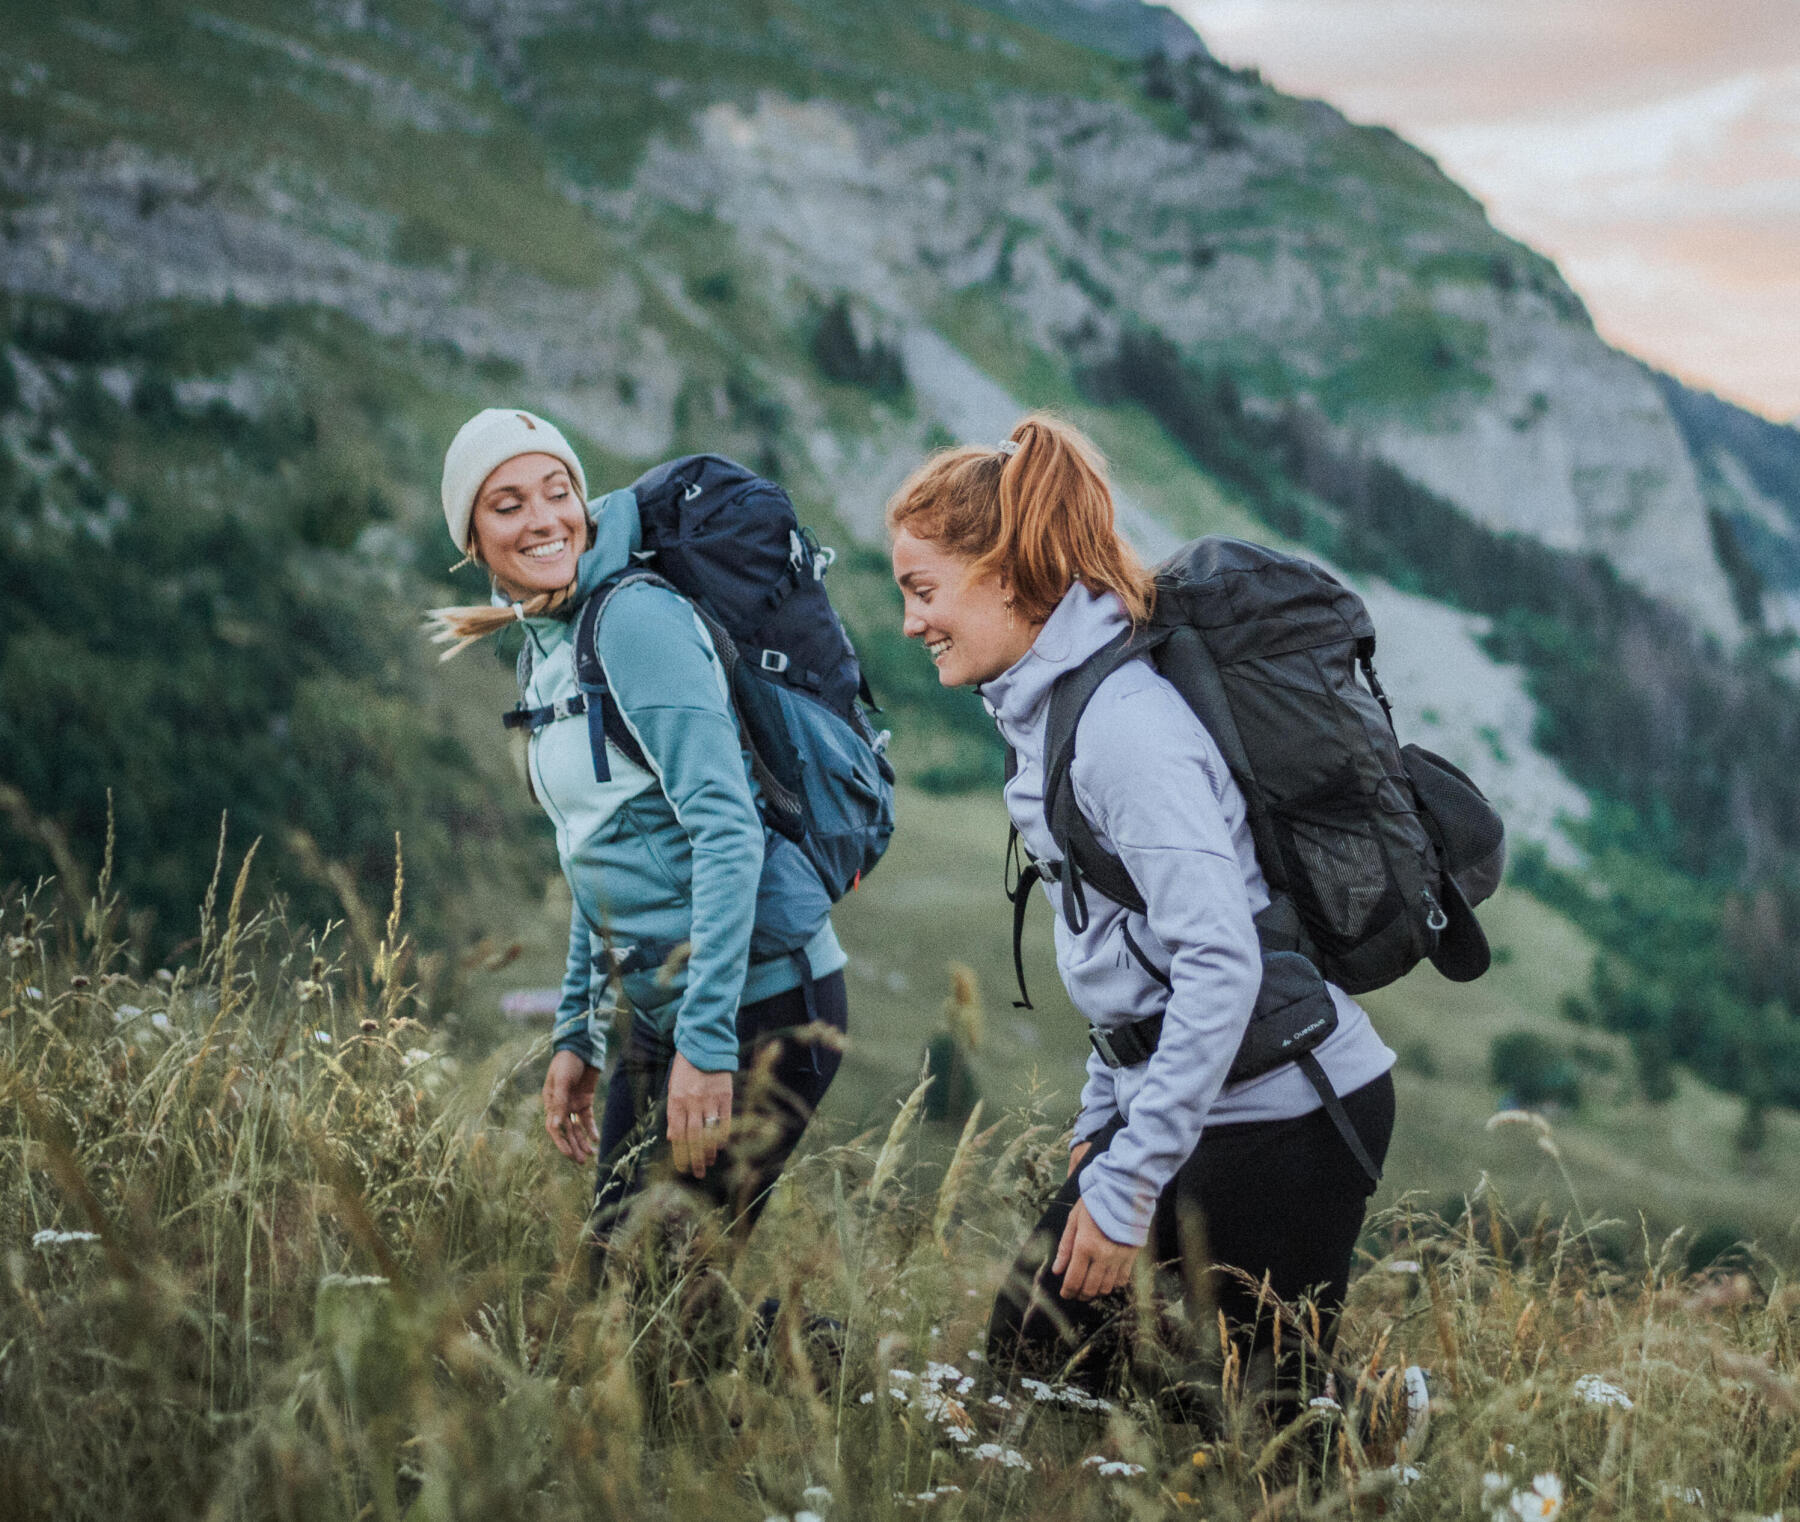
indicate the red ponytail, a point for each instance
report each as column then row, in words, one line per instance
column 1041, row 518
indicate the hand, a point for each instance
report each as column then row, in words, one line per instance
column 1076, row 1153
column 1090, row 1262
column 699, row 1115
column 569, row 1106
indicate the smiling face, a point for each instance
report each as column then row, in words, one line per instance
column 530, row 525
column 962, row 619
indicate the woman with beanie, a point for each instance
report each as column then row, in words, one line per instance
column 1013, row 573
column 664, row 851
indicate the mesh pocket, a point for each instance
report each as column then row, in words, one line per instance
column 1337, row 872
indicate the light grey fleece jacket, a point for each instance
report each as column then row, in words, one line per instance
column 1152, row 783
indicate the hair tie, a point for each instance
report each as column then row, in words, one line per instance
column 1009, row 446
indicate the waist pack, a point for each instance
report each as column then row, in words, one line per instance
column 730, row 543
column 1374, row 853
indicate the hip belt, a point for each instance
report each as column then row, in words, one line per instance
column 1294, row 1013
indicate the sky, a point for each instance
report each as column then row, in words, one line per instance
column 1650, row 147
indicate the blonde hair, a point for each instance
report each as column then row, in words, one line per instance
column 460, row 627
column 1040, row 516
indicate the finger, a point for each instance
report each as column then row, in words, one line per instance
column 1064, row 1248
column 678, row 1136
column 697, row 1153
column 1075, row 1276
column 690, row 1161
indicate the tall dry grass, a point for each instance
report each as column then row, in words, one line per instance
column 270, row 1254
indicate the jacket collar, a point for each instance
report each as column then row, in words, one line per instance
column 1078, row 626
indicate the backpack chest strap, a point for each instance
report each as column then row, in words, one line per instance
column 531, row 720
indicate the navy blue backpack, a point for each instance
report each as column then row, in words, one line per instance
column 730, row 543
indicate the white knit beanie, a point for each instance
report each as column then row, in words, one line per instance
column 486, row 442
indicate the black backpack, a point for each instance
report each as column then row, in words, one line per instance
column 1374, row 853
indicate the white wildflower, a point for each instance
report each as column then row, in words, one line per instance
column 975, row 1355
column 1000, row 1402
column 1113, row 1469
column 413, row 1056
column 160, row 1020
column 1403, row 1266
column 51, row 1238
column 867, row 1398
column 816, row 1495
column 807, row 1516
column 1010, row 1457
column 1543, row 1502
column 352, row 1281
column 1601, row 1392
column 941, row 1374
column 1685, row 1493
column 1063, row 1395
column 126, row 1012
column 1404, row 1474
column 17, row 946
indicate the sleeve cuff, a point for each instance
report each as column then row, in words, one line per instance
column 1127, row 1220
column 576, row 1041
column 708, row 1058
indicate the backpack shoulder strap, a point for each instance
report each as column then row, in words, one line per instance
column 1083, row 855
column 605, row 722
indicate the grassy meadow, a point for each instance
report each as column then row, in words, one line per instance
column 280, row 1243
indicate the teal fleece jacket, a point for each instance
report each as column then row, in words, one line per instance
column 663, row 856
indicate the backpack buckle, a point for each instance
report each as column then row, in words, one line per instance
column 773, row 660
column 1102, row 1044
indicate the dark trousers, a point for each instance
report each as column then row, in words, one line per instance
column 1282, row 1199
column 784, row 1069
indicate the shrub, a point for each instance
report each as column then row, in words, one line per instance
column 1532, row 1070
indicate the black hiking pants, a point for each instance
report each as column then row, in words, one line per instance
column 784, row 1069
column 1282, row 1199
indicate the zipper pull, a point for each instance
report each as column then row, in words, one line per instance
column 1436, row 920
